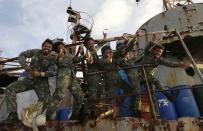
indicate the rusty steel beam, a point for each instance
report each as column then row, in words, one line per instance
column 10, row 69
column 8, row 60
column 189, row 55
column 152, row 105
column 104, row 40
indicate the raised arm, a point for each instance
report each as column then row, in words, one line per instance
column 168, row 63
column 27, row 54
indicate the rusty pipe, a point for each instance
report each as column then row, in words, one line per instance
column 104, row 40
column 115, row 69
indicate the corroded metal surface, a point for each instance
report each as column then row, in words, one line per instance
column 188, row 20
column 121, row 124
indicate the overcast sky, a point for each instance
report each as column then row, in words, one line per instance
column 25, row 24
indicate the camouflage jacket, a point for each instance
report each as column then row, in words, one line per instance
column 66, row 65
column 150, row 59
column 123, row 60
column 111, row 77
column 93, row 66
column 46, row 64
column 127, row 47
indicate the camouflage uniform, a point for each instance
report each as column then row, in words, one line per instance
column 39, row 84
column 94, row 90
column 132, row 73
column 112, row 78
column 66, row 80
column 150, row 59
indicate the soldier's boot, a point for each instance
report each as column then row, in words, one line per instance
column 85, row 113
column 12, row 118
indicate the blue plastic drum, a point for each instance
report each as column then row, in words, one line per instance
column 198, row 94
column 185, row 102
column 64, row 114
column 166, row 108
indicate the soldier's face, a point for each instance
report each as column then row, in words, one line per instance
column 90, row 44
column 47, row 48
column 123, row 52
column 61, row 49
column 108, row 54
column 158, row 52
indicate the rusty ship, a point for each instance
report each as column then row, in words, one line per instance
column 180, row 29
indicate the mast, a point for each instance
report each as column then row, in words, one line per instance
column 169, row 4
column 1, row 59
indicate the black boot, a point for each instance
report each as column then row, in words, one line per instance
column 84, row 114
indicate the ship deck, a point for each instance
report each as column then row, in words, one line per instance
column 120, row 124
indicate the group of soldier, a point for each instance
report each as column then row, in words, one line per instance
column 54, row 59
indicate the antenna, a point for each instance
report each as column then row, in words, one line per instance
column 70, row 3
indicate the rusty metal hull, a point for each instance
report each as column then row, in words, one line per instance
column 121, row 124
column 188, row 20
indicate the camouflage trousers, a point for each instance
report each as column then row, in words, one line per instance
column 41, row 87
column 94, row 91
column 62, row 84
column 133, row 77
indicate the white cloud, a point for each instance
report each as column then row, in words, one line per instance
column 112, row 15
column 32, row 21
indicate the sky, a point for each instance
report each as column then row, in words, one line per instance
column 25, row 24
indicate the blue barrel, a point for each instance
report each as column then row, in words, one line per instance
column 185, row 102
column 198, row 94
column 125, row 105
column 166, row 108
column 64, row 114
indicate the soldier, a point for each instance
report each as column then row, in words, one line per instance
column 152, row 55
column 94, row 90
column 112, row 78
column 122, row 54
column 41, row 67
column 65, row 80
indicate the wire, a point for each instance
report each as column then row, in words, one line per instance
column 91, row 18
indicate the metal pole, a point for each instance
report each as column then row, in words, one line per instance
column 189, row 55
column 8, row 60
column 104, row 40
column 115, row 69
column 149, row 93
